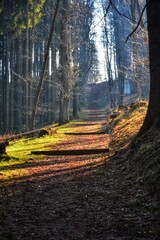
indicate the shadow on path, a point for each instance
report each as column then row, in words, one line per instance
column 88, row 197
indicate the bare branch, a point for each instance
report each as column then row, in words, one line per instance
column 121, row 14
column 138, row 24
column 111, row 4
column 104, row 16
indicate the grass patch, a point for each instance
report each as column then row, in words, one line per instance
column 19, row 151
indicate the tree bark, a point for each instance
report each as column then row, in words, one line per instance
column 152, row 119
column 65, row 65
column 75, row 101
column 43, row 67
column 135, row 53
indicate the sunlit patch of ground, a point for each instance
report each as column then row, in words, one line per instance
column 19, row 151
column 129, row 123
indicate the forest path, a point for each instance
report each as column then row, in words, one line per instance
column 89, row 137
column 76, row 197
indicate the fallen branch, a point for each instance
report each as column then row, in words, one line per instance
column 34, row 133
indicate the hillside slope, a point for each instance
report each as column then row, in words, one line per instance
column 142, row 154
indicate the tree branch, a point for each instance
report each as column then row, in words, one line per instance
column 121, row 14
column 107, row 8
column 39, row 87
column 138, row 24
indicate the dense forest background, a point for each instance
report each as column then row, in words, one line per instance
column 49, row 59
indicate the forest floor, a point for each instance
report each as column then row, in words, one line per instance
column 90, row 197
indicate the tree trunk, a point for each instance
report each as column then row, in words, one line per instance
column 75, row 100
column 35, row 103
column 65, row 65
column 118, row 31
column 26, row 67
column 135, row 53
column 152, row 119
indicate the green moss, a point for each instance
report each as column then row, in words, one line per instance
column 19, row 151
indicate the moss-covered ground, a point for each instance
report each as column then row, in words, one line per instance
column 19, row 151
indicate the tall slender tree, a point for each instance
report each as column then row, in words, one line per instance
column 65, row 49
column 43, row 66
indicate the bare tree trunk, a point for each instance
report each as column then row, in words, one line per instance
column 119, row 59
column 135, row 53
column 43, row 67
column 6, row 87
column 75, row 101
column 109, row 68
column 65, row 65
column 25, row 67
column 152, row 119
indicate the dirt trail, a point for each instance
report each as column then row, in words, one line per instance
column 76, row 197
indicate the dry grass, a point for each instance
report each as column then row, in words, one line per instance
column 127, row 125
column 143, row 160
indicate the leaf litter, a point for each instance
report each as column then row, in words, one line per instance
column 77, row 197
